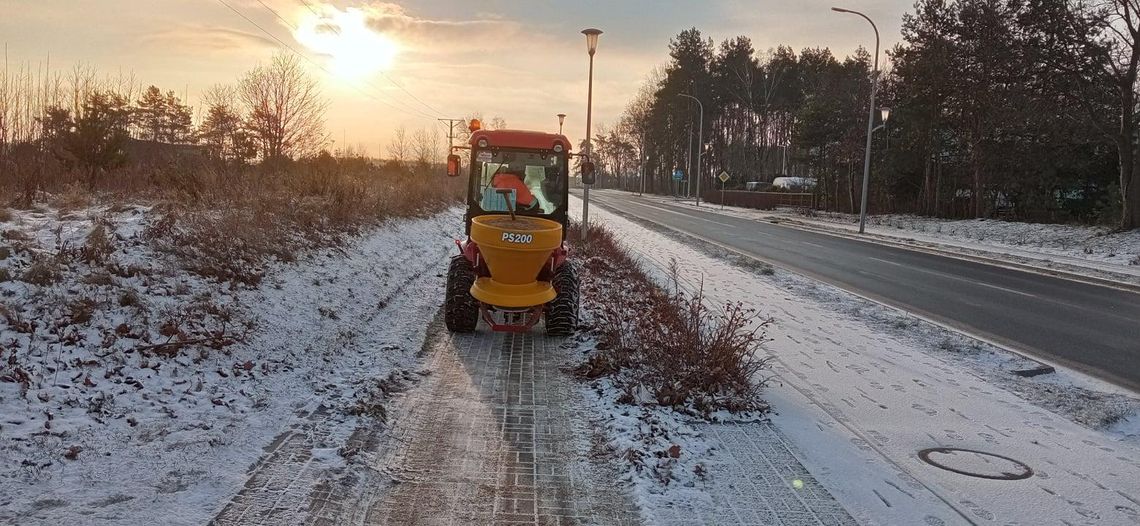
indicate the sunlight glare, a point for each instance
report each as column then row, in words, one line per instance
column 355, row 49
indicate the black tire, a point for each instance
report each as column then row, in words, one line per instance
column 562, row 313
column 460, row 310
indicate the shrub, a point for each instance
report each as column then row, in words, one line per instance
column 5, row 214
column 98, row 246
column 669, row 344
column 43, row 272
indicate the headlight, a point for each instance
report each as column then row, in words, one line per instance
column 483, row 143
column 558, row 148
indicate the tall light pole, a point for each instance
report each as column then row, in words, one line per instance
column 561, row 121
column 701, row 142
column 644, row 160
column 870, row 118
column 591, row 47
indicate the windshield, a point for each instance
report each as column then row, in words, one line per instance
column 531, row 182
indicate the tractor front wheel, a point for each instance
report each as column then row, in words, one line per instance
column 562, row 313
column 460, row 310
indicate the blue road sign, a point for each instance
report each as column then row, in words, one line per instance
column 678, row 174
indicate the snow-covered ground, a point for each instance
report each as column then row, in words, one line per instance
column 133, row 392
column 1090, row 250
column 861, row 389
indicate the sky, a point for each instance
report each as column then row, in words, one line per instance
column 394, row 64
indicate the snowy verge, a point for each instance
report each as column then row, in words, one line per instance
column 135, row 392
column 1092, row 251
column 862, row 388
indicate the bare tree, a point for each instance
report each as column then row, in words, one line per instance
column 426, row 146
column 284, row 108
column 400, row 149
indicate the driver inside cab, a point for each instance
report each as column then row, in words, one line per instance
column 508, row 177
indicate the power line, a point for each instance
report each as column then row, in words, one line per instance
column 383, row 74
column 318, row 65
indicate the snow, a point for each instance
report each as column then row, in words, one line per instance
column 861, row 388
column 1095, row 251
column 106, row 430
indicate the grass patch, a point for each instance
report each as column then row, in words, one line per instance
column 232, row 234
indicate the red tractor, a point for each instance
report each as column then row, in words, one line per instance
column 512, row 271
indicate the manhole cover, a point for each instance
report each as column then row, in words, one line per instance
column 975, row 463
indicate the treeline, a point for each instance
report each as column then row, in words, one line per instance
column 59, row 128
column 1018, row 108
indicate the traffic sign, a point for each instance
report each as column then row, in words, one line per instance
column 678, row 174
column 723, row 176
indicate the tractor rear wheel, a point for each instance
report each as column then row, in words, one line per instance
column 460, row 310
column 562, row 313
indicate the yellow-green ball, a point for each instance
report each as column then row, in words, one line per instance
column 798, row 484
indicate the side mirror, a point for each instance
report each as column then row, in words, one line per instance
column 588, row 173
column 453, row 165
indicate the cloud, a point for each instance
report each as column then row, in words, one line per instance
column 433, row 36
column 214, row 39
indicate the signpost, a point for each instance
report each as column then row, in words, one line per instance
column 723, row 179
column 678, row 175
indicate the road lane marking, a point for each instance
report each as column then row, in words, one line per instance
column 971, row 281
column 685, row 215
column 810, row 244
column 1003, row 288
column 895, row 263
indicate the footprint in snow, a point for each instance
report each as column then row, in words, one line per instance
column 924, row 409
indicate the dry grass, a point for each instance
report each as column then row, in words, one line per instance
column 668, row 343
column 5, row 214
column 43, row 271
column 228, row 225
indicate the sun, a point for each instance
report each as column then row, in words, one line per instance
column 354, row 49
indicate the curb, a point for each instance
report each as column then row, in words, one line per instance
column 1046, row 364
column 879, row 240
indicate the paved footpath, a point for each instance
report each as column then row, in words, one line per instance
column 496, row 433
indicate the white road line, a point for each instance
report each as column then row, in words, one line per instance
column 810, row 244
column 972, row 281
column 1003, row 288
column 895, row 263
column 685, row 215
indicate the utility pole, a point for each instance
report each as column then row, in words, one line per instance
column 450, row 132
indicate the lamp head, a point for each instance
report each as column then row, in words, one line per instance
column 591, row 39
column 561, row 118
column 886, row 114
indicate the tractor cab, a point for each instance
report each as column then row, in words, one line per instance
column 512, row 270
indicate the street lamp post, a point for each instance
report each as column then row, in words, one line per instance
column 561, row 120
column 644, row 160
column 701, row 142
column 591, row 48
column 870, row 118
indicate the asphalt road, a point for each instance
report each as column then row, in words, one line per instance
column 1088, row 327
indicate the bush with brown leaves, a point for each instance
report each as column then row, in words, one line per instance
column 667, row 343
